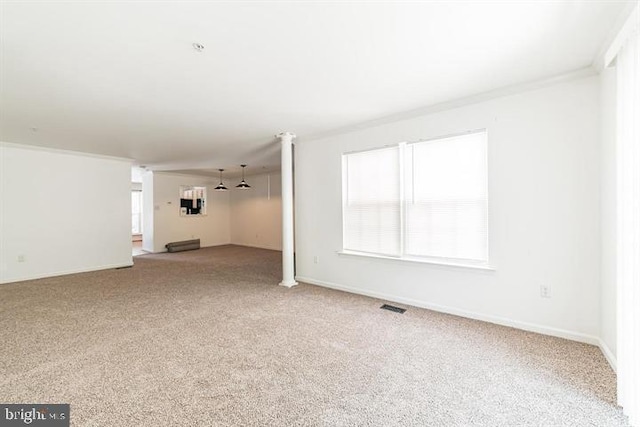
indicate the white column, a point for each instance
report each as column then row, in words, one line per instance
column 288, row 279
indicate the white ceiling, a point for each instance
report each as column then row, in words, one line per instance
column 122, row 78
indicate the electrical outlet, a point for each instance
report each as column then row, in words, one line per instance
column 316, row 259
column 545, row 291
column 22, row 258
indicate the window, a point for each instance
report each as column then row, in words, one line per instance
column 423, row 200
column 136, row 212
column 372, row 201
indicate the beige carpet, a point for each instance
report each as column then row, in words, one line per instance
column 207, row 338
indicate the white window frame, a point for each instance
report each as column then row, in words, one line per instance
column 402, row 257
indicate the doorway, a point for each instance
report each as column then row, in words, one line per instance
column 136, row 222
column 136, row 212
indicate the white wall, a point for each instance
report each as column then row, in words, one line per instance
column 243, row 217
column 168, row 226
column 62, row 212
column 544, row 148
column 608, row 213
column 136, row 174
column 256, row 213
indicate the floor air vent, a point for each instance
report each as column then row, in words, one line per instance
column 393, row 308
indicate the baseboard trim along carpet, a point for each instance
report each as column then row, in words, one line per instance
column 65, row 272
column 531, row 327
column 608, row 354
column 251, row 245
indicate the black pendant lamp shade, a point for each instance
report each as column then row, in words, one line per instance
column 243, row 183
column 221, row 186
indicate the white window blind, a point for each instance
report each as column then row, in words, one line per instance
column 419, row 200
column 446, row 198
column 372, row 201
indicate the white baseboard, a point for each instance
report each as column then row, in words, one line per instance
column 271, row 248
column 608, row 354
column 65, row 272
column 531, row 327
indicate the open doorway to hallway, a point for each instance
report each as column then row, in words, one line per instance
column 136, row 211
column 136, row 222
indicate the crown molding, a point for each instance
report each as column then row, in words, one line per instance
column 61, row 151
column 460, row 102
column 609, row 48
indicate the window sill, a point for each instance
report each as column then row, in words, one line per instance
column 443, row 263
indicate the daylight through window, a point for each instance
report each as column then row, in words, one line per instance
column 424, row 200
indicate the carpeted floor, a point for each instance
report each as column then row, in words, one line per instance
column 207, row 338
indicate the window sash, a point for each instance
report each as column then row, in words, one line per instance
column 371, row 202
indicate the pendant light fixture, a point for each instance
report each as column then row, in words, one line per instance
column 221, row 186
column 243, row 184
